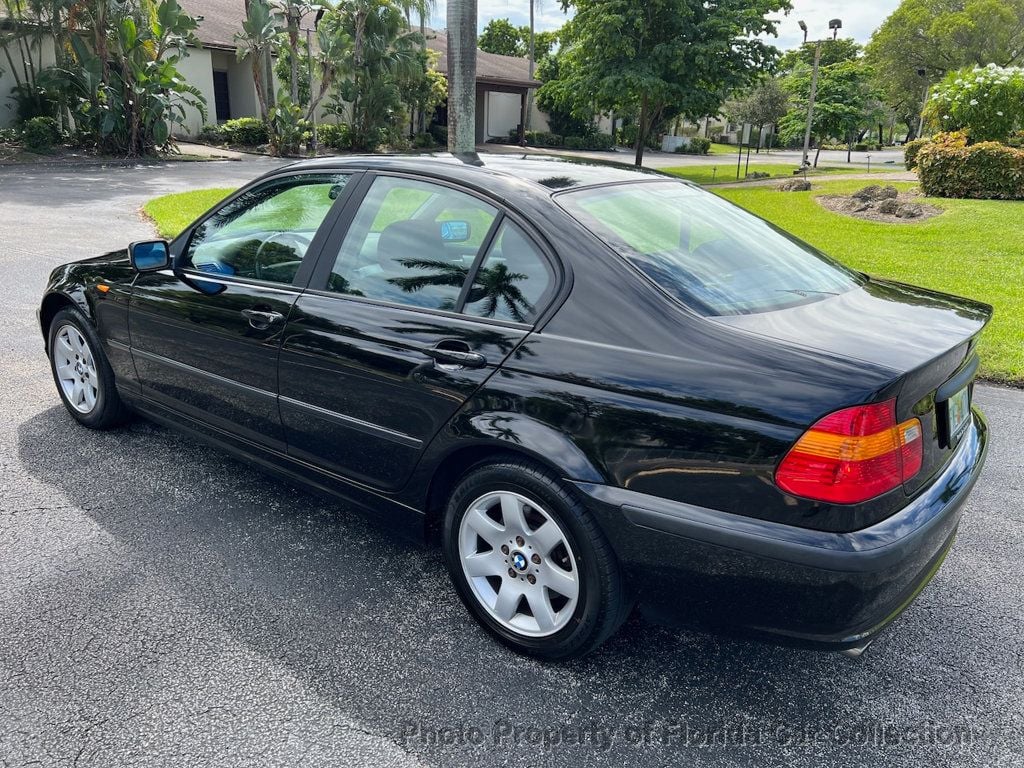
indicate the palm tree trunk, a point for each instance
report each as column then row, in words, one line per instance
column 422, row 113
column 533, row 62
column 293, row 44
column 462, row 76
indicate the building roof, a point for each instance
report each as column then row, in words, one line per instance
column 222, row 19
column 490, row 67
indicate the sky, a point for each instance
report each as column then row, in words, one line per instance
column 859, row 18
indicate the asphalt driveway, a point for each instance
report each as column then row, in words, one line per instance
column 161, row 604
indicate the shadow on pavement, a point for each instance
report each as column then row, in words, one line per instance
column 368, row 621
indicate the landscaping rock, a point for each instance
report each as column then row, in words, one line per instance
column 888, row 206
column 875, row 192
column 794, row 185
column 910, row 211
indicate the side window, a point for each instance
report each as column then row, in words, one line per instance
column 513, row 279
column 411, row 242
column 265, row 233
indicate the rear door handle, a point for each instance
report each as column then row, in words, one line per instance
column 260, row 319
column 448, row 358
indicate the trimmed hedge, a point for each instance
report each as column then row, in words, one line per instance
column 910, row 151
column 988, row 171
column 245, row 131
column 696, row 146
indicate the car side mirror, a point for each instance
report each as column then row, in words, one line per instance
column 149, row 255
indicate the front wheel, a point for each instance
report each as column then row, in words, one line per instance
column 530, row 563
column 81, row 372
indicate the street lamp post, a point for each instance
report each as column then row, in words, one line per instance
column 927, row 87
column 835, row 25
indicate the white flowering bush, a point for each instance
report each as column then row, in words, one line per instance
column 987, row 102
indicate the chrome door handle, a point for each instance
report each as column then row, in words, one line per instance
column 453, row 359
column 260, row 319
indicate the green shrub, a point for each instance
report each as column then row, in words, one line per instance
column 211, row 133
column 245, row 131
column 540, row 138
column 697, row 146
column 423, row 141
column 440, row 132
column 599, row 141
column 334, row 136
column 627, row 137
column 8, row 135
column 988, row 170
column 40, row 134
column 910, row 151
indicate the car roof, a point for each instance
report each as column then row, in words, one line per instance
column 548, row 172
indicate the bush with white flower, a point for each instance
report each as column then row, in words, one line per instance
column 987, row 102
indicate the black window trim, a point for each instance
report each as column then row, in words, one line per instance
column 179, row 246
column 561, row 274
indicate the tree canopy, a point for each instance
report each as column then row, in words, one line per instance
column 845, row 104
column 662, row 58
column 940, row 36
column 501, row 36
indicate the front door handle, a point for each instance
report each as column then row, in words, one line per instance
column 453, row 355
column 261, row 319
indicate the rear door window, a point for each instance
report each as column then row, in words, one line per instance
column 412, row 242
column 711, row 255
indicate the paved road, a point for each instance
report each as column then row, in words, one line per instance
column 163, row 605
column 889, row 159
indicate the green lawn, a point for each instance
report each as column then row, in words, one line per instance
column 172, row 213
column 725, row 171
column 970, row 250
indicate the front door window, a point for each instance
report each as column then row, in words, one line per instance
column 264, row 233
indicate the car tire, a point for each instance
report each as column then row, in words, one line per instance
column 82, row 373
column 530, row 563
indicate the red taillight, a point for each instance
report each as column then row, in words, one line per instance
column 853, row 455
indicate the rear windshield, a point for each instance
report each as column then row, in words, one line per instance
column 709, row 254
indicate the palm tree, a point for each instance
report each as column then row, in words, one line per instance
column 462, row 76
column 256, row 40
column 493, row 285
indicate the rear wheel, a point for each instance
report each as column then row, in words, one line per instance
column 82, row 373
column 530, row 563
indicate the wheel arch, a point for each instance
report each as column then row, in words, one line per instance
column 52, row 303
column 535, row 442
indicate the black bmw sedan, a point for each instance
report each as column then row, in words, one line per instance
column 598, row 388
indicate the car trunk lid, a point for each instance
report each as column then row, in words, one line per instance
column 927, row 339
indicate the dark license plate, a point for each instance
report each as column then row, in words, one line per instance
column 958, row 411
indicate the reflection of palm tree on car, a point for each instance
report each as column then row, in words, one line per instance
column 494, row 285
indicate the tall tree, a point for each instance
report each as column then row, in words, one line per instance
column 832, row 52
column 934, row 37
column 462, row 16
column 500, row 36
column 662, row 58
column 766, row 104
column 845, row 103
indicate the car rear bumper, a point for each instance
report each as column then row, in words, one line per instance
column 800, row 586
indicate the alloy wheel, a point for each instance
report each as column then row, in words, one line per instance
column 75, row 366
column 519, row 564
